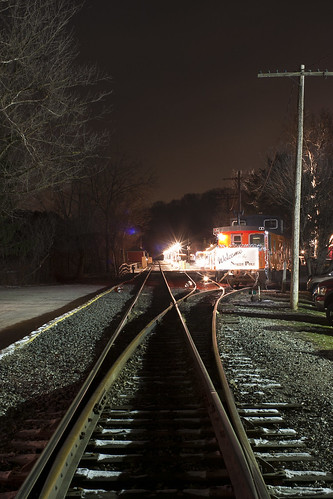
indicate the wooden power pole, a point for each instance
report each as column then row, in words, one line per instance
column 239, row 194
column 294, row 289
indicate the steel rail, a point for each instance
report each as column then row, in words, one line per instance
column 258, row 480
column 211, row 280
column 64, row 467
column 27, row 488
column 66, row 460
column 169, row 289
column 56, row 438
column 68, row 456
column 230, row 447
column 249, row 469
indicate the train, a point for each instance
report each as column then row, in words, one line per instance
column 249, row 251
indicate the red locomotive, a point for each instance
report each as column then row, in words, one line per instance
column 252, row 249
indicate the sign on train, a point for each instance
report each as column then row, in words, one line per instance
column 237, row 258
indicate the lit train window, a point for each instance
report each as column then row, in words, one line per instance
column 257, row 239
column 271, row 223
column 236, row 239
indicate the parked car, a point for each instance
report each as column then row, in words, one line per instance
column 323, row 298
column 313, row 281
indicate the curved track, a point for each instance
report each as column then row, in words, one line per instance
column 149, row 420
column 283, row 456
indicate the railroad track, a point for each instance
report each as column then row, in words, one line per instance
column 159, row 438
column 283, row 454
column 156, row 417
column 149, row 422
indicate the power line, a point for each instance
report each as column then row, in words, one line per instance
column 292, row 74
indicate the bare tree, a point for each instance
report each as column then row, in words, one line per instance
column 45, row 100
column 273, row 186
column 26, row 241
column 120, row 196
column 318, row 186
column 103, row 214
column 270, row 189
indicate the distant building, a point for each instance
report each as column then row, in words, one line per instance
column 138, row 256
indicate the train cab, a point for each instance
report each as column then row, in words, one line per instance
column 251, row 246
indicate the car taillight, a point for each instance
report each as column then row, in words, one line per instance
column 321, row 290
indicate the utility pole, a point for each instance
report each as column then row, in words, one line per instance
column 239, row 194
column 294, row 289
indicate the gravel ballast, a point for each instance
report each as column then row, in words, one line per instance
column 43, row 365
column 60, row 353
column 282, row 347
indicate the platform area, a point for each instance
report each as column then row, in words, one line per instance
column 24, row 309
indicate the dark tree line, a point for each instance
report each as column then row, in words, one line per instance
column 107, row 212
column 67, row 206
column 82, row 229
column 273, row 187
column 191, row 219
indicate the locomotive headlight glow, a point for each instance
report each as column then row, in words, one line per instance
column 222, row 238
column 172, row 254
column 172, row 249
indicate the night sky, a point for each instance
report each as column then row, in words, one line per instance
column 186, row 100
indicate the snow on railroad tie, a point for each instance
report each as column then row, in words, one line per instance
column 300, row 475
column 121, row 431
column 241, row 362
column 108, row 458
column 111, row 475
column 97, row 474
column 126, row 420
column 111, row 432
column 118, row 443
column 263, row 420
column 263, row 442
column 263, row 383
column 281, row 432
column 259, row 411
column 284, row 456
column 247, row 376
column 256, row 370
column 257, row 393
column 299, row 492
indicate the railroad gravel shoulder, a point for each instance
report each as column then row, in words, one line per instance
column 44, row 371
column 288, row 348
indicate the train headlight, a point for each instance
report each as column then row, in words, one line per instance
column 222, row 238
